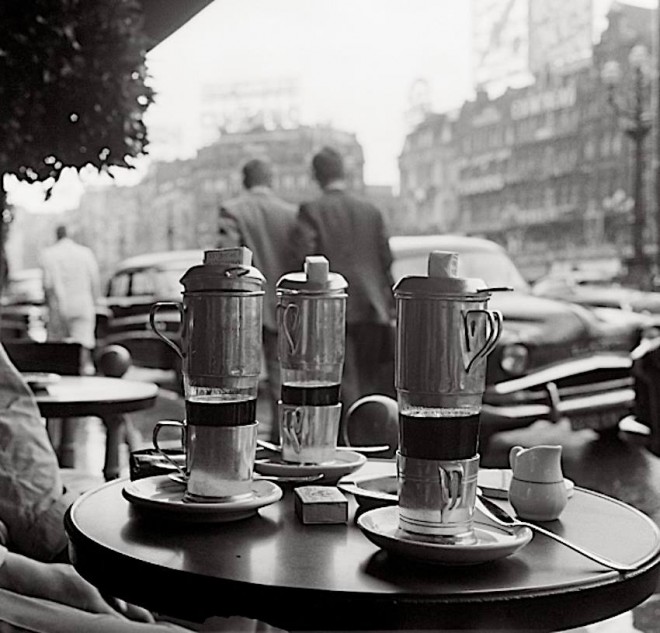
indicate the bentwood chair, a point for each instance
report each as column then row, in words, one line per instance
column 56, row 357
column 371, row 420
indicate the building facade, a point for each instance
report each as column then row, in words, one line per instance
column 547, row 169
column 428, row 178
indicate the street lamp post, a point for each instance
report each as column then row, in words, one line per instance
column 636, row 124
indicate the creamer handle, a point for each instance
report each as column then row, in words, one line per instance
column 154, row 436
column 513, row 455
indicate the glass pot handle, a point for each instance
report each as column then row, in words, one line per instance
column 171, row 423
column 450, row 480
column 152, row 321
column 292, row 427
column 291, row 326
column 495, row 330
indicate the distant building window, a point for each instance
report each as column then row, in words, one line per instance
column 605, row 145
column 589, row 149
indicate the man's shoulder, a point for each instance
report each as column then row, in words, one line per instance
column 81, row 248
column 232, row 205
column 271, row 199
column 81, row 252
column 349, row 199
column 251, row 200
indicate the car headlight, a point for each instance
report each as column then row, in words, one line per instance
column 514, row 359
column 649, row 341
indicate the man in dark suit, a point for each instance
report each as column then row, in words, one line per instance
column 351, row 233
column 263, row 222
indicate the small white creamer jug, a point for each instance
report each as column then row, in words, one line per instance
column 537, row 491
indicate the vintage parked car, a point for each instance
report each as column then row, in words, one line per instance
column 554, row 359
column 23, row 312
column 134, row 286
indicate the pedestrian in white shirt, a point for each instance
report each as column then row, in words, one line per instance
column 72, row 287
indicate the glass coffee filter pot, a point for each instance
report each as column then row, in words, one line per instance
column 221, row 337
column 444, row 333
column 311, row 319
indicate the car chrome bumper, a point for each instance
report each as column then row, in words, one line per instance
column 582, row 389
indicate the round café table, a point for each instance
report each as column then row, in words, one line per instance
column 106, row 398
column 330, row 577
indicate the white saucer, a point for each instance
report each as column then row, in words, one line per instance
column 345, row 462
column 162, row 494
column 381, row 527
column 370, row 491
column 495, row 482
column 373, row 492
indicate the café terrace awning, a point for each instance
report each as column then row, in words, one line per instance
column 163, row 17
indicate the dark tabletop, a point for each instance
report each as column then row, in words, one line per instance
column 274, row 568
column 94, row 396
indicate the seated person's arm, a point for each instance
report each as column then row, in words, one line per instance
column 58, row 583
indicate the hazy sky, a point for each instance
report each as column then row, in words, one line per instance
column 355, row 61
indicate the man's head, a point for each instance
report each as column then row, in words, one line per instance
column 257, row 172
column 328, row 166
column 60, row 231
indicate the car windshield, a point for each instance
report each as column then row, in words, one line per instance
column 493, row 267
column 148, row 282
column 169, row 283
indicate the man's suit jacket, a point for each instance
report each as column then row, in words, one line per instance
column 351, row 233
column 263, row 222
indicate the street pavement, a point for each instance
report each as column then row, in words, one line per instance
column 616, row 465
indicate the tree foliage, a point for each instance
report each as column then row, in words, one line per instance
column 72, row 86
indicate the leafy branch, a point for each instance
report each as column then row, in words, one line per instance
column 73, row 86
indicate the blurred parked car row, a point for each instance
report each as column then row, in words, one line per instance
column 561, row 354
column 22, row 308
column 595, row 289
column 555, row 358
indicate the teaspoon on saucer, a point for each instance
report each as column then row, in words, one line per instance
column 292, row 479
column 504, row 519
column 357, row 449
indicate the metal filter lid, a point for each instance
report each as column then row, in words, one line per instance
column 315, row 279
column 224, row 269
column 442, row 280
